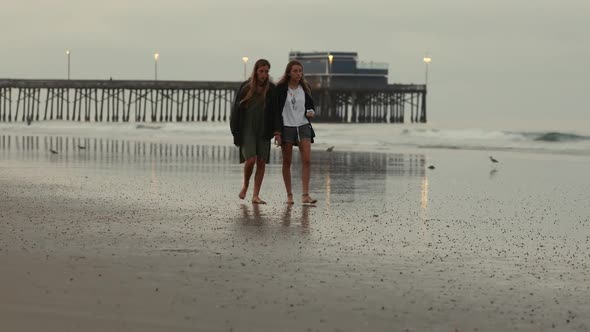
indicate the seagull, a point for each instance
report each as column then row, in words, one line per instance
column 52, row 151
column 330, row 149
column 493, row 160
column 431, row 167
column 81, row 147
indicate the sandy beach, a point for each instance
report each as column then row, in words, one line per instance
column 131, row 235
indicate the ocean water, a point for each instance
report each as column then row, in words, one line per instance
column 386, row 138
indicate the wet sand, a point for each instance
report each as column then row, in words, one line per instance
column 135, row 236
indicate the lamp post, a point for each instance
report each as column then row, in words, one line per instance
column 245, row 60
column 330, row 59
column 68, row 56
column 156, row 57
column 427, row 60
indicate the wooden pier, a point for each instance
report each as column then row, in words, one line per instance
column 387, row 104
column 29, row 100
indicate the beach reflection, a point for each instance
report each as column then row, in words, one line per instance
column 493, row 173
column 424, row 194
column 423, row 229
column 328, row 183
column 106, row 151
column 347, row 176
column 302, row 221
column 153, row 180
column 335, row 168
column 337, row 177
column 253, row 215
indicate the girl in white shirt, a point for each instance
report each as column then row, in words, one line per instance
column 293, row 110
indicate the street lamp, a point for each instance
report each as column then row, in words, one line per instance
column 156, row 57
column 68, row 55
column 330, row 59
column 245, row 59
column 427, row 60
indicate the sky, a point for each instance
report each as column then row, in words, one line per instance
column 496, row 64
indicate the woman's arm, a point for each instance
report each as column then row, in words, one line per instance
column 234, row 117
column 309, row 104
column 277, row 111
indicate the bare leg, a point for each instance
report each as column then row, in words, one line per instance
column 258, row 177
column 248, row 168
column 305, row 151
column 287, row 152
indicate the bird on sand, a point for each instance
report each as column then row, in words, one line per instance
column 493, row 160
column 52, row 151
column 330, row 149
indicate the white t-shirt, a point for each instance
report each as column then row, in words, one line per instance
column 294, row 109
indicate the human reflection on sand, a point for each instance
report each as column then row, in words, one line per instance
column 253, row 215
column 287, row 219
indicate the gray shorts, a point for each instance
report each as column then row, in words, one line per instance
column 296, row 134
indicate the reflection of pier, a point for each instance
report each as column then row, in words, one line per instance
column 112, row 151
column 340, row 165
column 334, row 173
column 372, row 164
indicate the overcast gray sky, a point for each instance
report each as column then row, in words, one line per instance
column 498, row 64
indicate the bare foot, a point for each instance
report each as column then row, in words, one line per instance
column 308, row 200
column 289, row 198
column 242, row 194
column 257, row 200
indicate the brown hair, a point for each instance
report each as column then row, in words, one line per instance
column 253, row 83
column 287, row 76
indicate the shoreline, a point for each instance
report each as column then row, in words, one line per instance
column 378, row 138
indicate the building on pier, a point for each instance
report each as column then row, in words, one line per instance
column 341, row 70
column 348, row 90
column 344, row 90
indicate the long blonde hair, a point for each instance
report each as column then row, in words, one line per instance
column 287, row 76
column 253, row 83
